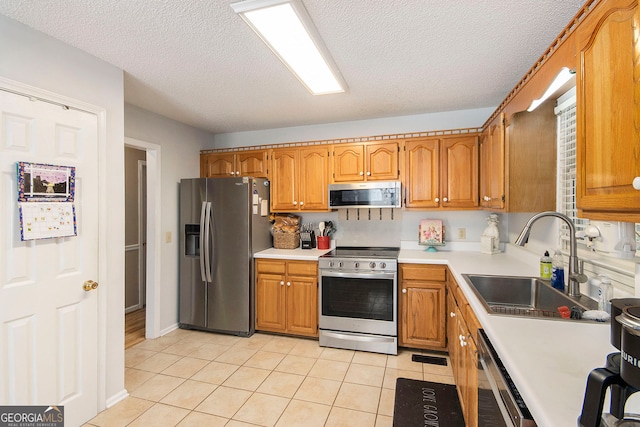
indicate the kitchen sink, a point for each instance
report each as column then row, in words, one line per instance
column 523, row 296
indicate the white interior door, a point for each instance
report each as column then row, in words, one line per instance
column 48, row 322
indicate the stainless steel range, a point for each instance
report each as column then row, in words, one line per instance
column 359, row 299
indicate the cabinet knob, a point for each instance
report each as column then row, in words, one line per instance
column 361, row 173
column 444, row 199
column 636, row 183
column 288, row 283
column 368, row 173
column 281, row 282
column 452, row 314
column 404, row 291
column 232, row 173
column 437, row 199
column 237, row 173
column 295, row 203
column 301, row 203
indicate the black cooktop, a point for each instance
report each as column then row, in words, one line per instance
column 363, row 252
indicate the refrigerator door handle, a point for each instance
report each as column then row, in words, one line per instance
column 203, row 253
column 208, row 232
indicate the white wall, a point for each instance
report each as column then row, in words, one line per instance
column 35, row 59
column 180, row 146
column 354, row 129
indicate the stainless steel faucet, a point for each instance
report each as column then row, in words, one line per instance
column 575, row 269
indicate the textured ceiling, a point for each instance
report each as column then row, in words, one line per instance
column 197, row 62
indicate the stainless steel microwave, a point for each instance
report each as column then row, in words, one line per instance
column 382, row 194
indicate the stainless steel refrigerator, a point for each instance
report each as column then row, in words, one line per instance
column 223, row 222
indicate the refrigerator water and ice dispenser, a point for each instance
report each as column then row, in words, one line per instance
column 192, row 239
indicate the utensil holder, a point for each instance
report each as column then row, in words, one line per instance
column 324, row 242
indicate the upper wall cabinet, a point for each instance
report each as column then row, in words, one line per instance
column 441, row 172
column 518, row 162
column 492, row 194
column 243, row 163
column 365, row 162
column 299, row 179
column 608, row 106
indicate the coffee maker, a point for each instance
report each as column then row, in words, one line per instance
column 621, row 373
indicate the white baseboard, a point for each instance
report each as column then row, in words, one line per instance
column 118, row 397
column 173, row 327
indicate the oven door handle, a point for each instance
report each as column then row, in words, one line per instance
column 357, row 275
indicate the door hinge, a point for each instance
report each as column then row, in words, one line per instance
column 503, row 198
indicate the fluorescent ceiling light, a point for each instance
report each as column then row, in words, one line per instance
column 563, row 77
column 285, row 26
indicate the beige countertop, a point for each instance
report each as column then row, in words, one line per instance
column 549, row 360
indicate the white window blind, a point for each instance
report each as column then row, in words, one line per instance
column 566, row 161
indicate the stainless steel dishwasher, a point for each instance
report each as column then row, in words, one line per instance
column 499, row 402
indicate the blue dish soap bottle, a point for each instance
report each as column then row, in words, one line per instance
column 557, row 271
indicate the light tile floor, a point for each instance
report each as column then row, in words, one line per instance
column 192, row 378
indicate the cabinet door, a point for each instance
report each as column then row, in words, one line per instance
column 459, row 187
column 423, row 314
column 348, row 163
column 485, row 169
column 284, row 194
column 252, row 163
column 270, row 302
column 471, row 391
column 422, row 173
column 496, row 171
column 314, row 178
column 382, row 161
column 302, row 305
column 608, row 107
column 217, row 165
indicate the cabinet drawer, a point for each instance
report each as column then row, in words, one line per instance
column 436, row 273
column 302, row 268
column 270, row 266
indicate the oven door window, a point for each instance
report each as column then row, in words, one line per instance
column 359, row 298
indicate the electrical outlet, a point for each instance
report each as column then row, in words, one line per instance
column 462, row 233
column 167, row 237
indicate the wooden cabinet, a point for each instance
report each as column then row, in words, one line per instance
column 492, row 165
column 518, row 161
column 287, row 297
column 299, row 179
column 462, row 328
column 441, row 172
column 608, row 112
column 365, row 162
column 422, row 306
column 244, row 163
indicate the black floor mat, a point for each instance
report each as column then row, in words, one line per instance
column 429, row 359
column 423, row 403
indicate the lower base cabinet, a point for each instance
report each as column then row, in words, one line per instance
column 287, row 297
column 462, row 327
column 422, row 306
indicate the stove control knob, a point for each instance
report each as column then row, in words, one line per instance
column 372, row 265
column 356, row 264
column 340, row 264
column 383, row 265
column 330, row 263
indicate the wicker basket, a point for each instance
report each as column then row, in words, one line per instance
column 286, row 240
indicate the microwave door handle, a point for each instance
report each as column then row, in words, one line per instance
column 203, row 252
column 207, row 243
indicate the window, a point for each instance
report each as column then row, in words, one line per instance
column 566, row 162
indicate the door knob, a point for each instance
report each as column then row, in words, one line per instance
column 89, row 285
